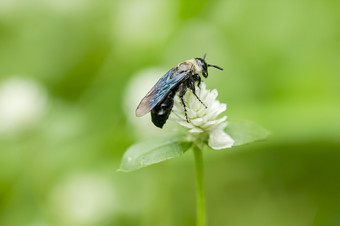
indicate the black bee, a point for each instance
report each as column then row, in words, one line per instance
column 160, row 99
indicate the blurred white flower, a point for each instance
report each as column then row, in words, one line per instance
column 203, row 121
column 83, row 199
column 22, row 103
column 8, row 6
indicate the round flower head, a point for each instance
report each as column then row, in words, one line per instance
column 203, row 123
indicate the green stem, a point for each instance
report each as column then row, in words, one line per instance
column 199, row 186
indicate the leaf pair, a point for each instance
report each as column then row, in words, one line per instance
column 159, row 149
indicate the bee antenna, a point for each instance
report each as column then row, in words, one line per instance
column 215, row 66
column 204, row 56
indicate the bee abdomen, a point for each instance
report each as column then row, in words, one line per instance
column 161, row 112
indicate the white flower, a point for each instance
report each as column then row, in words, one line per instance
column 203, row 121
column 83, row 199
column 23, row 102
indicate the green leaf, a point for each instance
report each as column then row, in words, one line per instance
column 244, row 132
column 154, row 150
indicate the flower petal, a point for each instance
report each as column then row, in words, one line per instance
column 211, row 125
column 218, row 139
column 215, row 110
column 197, row 121
column 195, row 130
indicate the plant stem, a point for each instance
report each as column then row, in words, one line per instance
column 199, row 186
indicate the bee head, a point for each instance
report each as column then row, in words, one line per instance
column 203, row 64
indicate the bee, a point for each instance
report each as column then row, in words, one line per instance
column 160, row 99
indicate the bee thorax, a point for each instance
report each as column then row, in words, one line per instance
column 190, row 65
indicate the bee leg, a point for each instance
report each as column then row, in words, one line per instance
column 191, row 85
column 198, row 78
column 182, row 90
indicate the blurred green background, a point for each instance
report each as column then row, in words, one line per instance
column 66, row 112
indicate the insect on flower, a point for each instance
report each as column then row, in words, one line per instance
column 160, row 99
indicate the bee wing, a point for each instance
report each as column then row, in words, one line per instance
column 159, row 91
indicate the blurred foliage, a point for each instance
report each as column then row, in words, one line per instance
column 281, row 61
